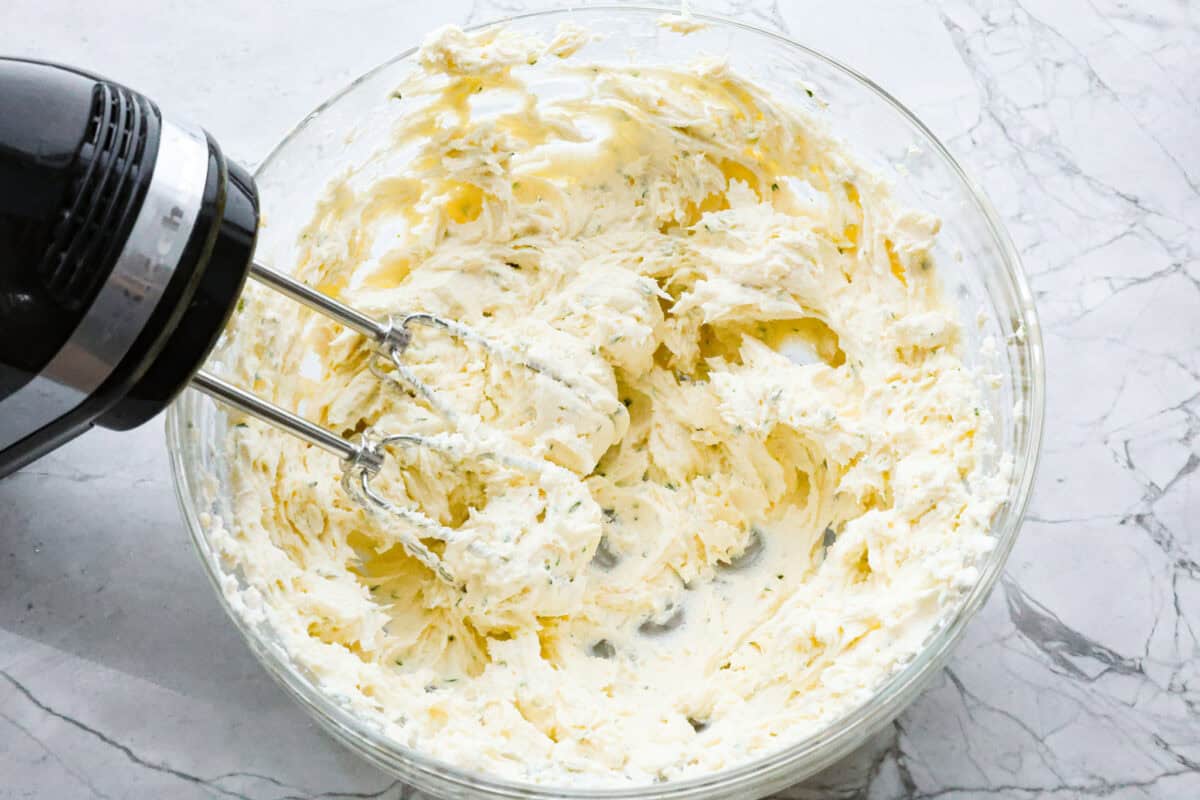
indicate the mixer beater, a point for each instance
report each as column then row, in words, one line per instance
column 362, row 459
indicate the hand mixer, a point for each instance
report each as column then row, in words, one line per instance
column 125, row 240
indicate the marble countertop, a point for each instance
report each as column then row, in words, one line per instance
column 121, row 678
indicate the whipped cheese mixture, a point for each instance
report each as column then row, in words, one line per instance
column 765, row 479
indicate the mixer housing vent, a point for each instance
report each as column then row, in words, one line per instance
column 108, row 178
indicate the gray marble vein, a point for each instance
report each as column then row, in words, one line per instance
column 120, row 677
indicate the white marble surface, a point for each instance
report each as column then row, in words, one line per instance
column 120, row 677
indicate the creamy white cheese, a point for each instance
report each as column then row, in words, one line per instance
column 768, row 483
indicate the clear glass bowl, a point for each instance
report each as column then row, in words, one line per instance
column 979, row 267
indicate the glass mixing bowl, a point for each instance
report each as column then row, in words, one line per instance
column 980, row 271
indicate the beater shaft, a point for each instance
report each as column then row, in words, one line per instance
column 383, row 333
column 320, row 302
column 285, row 420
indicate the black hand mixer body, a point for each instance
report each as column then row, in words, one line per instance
column 125, row 238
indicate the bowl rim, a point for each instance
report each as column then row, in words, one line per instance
column 833, row 739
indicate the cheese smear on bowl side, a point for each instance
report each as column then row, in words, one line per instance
column 772, row 478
